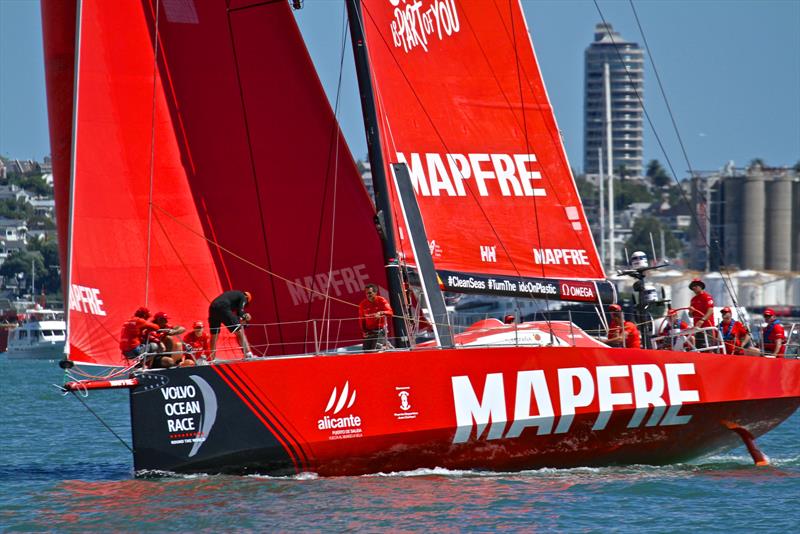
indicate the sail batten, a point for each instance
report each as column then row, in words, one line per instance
column 463, row 105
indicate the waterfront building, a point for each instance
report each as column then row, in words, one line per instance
column 626, row 67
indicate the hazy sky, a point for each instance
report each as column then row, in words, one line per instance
column 731, row 71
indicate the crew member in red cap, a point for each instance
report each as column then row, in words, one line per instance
column 702, row 310
column 198, row 340
column 670, row 331
column 773, row 336
column 171, row 346
column 733, row 333
column 622, row 333
column 228, row 309
column 133, row 340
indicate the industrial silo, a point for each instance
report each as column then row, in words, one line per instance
column 753, row 227
column 779, row 236
column 732, row 187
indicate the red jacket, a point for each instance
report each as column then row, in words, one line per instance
column 632, row 339
column 733, row 332
column 134, row 333
column 700, row 304
column 199, row 343
column 772, row 333
column 367, row 311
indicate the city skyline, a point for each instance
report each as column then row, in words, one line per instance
column 731, row 71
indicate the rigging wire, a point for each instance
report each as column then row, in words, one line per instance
column 74, row 394
column 527, row 146
column 728, row 284
column 245, row 260
column 152, row 155
column 333, row 152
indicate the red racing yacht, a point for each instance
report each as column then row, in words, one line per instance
column 195, row 151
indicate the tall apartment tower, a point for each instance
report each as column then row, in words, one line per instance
column 627, row 79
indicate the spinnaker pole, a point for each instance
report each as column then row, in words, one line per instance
column 384, row 221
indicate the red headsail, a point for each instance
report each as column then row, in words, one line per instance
column 206, row 157
column 461, row 100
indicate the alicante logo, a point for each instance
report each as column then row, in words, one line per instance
column 341, row 426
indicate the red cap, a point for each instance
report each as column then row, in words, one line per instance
column 614, row 307
column 198, row 324
column 769, row 312
column 160, row 316
column 142, row 312
column 725, row 310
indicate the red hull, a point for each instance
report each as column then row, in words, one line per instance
column 457, row 408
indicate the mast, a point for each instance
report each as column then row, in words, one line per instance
column 602, row 204
column 609, row 148
column 384, row 219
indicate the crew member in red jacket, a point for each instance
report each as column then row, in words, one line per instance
column 622, row 333
column 198, row 340
column 733, row 333
column 702, row 310
column 372, row 316
column 133, row 340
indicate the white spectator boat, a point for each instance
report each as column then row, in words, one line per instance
column 40, row 337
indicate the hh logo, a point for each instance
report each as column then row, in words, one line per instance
column 489, row 254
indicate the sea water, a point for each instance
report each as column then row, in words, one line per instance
column 62, row 470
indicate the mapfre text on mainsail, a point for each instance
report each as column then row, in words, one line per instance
column 508, row 175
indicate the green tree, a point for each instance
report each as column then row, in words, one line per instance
column 41, row 222
column 797, row 167
column 20, row 262
column 640, row 237
column 626, row 192
column 586, row 189
column 34, row 183
column 50, row 260
column 657, row 174
column 13, row 208
column 757, row 161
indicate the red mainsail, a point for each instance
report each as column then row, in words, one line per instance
column 461, row 100
column 206, row 157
